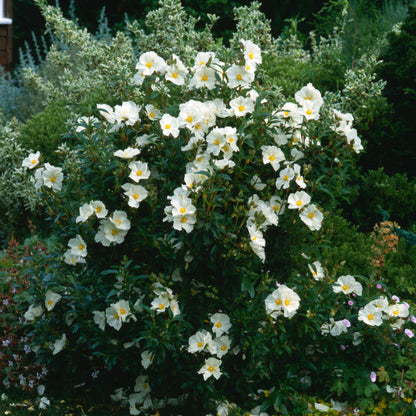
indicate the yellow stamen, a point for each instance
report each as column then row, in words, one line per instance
column 204, row 78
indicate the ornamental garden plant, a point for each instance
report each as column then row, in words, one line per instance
column 188, row 275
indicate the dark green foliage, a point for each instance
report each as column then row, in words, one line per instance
column 398, row 69
column 44, row 130
column 394, row 194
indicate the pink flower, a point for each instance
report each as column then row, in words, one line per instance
column 373, row 376
column 413, row 318
column 347, row 323
column 395, row 298
column 379, row 286
column 409, row 333
column 350, row 302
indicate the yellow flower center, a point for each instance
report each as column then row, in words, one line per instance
column 197, row 126
column 53, row 179
column 81, row 246
column 184, row 219
column 285, row 177
column 204, row 78
column 396, row 312
column 299, row 203
column 135, row 196
column 49, row 302
column 308, row 112
column 175, row 75
column 122, row 311
column 344, row 287
column 271, row 158
column 167, row 127
column 182, row 210
column 241, row 108
column 311, row 215
column 286, row 113
column 161, row 306
column 218, row 324
column 276, row 207
column 307, row 98
column 223, row 347
column 33, row 161
column 210, row 368
column 278, row 302
column 139, row 173
column 239, row 77
column 370, row 316
column 250, row 55
column 200, row 344
column 201, row 63
column 118, row 222
column 145, row 386
column 266, row 393
column 189, row 119
column 149, row 64
column 114, row 231
column 254, row 238
column 287, row 302
column 230, row 140
column 216, row 142
column 98, row 210
column 116, row 316
column 151, row 115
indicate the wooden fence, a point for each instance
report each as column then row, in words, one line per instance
column 6, row 44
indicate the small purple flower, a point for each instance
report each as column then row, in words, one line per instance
column 406, row 304
column 373, row 376
column 350, row 302
column 277, row 284
column 413, row 318
column 395, row 298
column 409, row 333
column 346, row 322
column 343, row 347
column 379, row 286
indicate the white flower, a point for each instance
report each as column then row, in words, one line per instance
column 298, row 200
column 241, row 106
column 152, row 112
column 223, row 345
column 139, row 171
column 347, row 284
column 272, row 155
column 283, row 301
column 99, row 319
column 72, row 259
column 51, row 299
column 201, row 341
column 177, row 72
column 142, row 386
column 317, row 270
column 135, row 193
column 78, row 246
column 146, row 358
column 127, row 153
column 122, row 308
column 108, row 233
column 211, row 368
column 322, row 407
column 113, row 318
column 398, row 310
column 31, row 161
column 107, row 112
column 335, row 328
column 127, row 112
column 160, row 303
column 59, row 345
column 204, row 77
column 370, row 315
column 34, row 311
column 252, row 53
column 309, row 94
column 169, row 125
column 99, row 209
column 238, row 76
column 85, row 211
column 220, row 323
column 44, row 403
column 150, row 62
column 120, row 220
column 52, row 177
column 86, row 120
column 312, row 217
column 285, row 176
